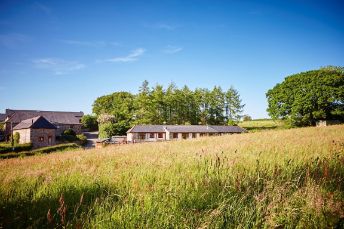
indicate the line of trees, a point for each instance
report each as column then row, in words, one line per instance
column 119, row 111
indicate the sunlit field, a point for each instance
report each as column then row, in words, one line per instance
column 263, row 124
column 278, row 178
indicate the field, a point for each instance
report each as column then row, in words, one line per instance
column 262, row 124
column 274, row 179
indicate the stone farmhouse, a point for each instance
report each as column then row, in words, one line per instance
column 38, row 130
column 60, row 119
column 153, row 133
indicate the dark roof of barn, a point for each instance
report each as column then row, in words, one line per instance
column 147, row 129
column 190, row 129
column 185, row 129
column 55, row 117
column 2, row 117
column 228, row 129
column 38, row 122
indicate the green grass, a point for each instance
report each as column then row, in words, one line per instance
column 7, row 148
column 279, row 178
column 263, row 124
column 43, row 150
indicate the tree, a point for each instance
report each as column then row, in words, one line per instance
column 143, row 109
column 120, row 106
column 156, row 105
column 306, row 97
column 234, row 106
column 246, row 118
column 89, row 122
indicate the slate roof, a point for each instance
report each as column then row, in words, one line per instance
column 55, row 117
column 2, row 117
column 38, row 122
column 190, row 129
column 147, row 129
column 228, row 129
column 185, row 129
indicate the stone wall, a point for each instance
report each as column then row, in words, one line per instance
column 63, row 127
column 42, row 137
column 25, row 135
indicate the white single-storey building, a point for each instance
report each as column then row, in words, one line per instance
column 152, row 133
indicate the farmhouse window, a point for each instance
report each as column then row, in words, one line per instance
column 142, row 136
column 160, row 135
column 41, row 139
column 151, row 135
column 193, row 135
column 175, row 135
column 185, row 135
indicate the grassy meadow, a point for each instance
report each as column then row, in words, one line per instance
column 273, row 179
column 263, row 124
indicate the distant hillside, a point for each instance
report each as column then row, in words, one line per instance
column 274, row 179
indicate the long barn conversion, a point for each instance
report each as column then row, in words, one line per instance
column 152, row 133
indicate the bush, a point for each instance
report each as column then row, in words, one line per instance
column 232, row 123
column 44, row 150
column 82, row 139
column 247, row 118
column 107, row 130
column 16, row 138
column 70, row 132
column 89, row 122
column 6, row 148
column 61, row 147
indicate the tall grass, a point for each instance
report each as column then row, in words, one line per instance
column 263, row 124
column 282, row 178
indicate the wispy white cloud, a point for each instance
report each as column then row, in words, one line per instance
column 58, row 66
column 133, row 56
column 12, row 40
column 41, row 7
column 170, row 49
column 95, row 44
column 162, row 26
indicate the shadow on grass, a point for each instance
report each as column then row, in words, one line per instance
column 68, row 208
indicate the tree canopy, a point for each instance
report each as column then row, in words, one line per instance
column 173, row 105
column 307, row 97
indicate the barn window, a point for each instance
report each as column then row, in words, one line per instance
column 175, row 135
column 193, row 135
column 160, row 135
column 151, row 135
column 41, row 139
column 142, row 136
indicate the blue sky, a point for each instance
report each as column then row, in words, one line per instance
column 62, row 55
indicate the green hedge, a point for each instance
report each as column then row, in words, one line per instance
column 55, row 148
column 44, row 150
column 7, row 148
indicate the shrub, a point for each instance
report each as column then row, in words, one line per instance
column 247, row 118
column 16, row 138
column 6, row 148
column 89, row 122
column 44, row 150
column 70, row 132
column 55, row 148
column 107, row 130
column 232, row 123
column 82, row 139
